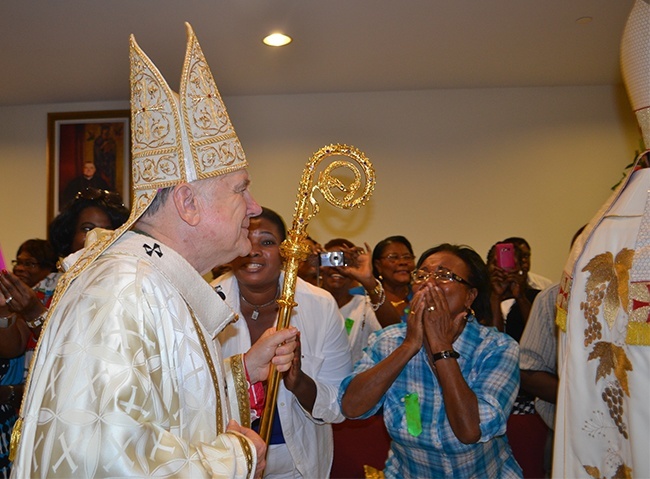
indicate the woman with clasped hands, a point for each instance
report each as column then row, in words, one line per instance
column 446, row 383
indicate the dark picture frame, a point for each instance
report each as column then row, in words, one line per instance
column 75, row 139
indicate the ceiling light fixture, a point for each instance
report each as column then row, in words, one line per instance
column 277, row 40
column 584, row 20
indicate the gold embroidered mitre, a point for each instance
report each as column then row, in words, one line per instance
column 178, row 138
column 175, row 138
column 635, row 63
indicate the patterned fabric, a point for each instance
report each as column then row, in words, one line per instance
column 45, row 292
column 45, row 288
column 489, row 363
column 14, row 371
column 178, row 138
column 602, row 416
column 635, row 59
column 121, row 384
column 7, row 419
column 524, row 404
column 538, row 345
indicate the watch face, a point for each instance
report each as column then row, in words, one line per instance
column 36, row 322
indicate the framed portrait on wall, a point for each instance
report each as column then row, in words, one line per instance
column 89, row 149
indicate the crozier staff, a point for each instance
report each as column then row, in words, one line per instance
column 307, row 398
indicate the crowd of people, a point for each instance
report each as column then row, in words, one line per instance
column 140, row 367
column 421, row 345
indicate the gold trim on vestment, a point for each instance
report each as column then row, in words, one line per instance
column 248, row 452
column 211, row 368
column 241, row 388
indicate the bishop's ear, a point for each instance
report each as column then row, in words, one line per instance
column 186, row 201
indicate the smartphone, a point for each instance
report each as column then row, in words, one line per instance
column 505, row 256
column 3, row 265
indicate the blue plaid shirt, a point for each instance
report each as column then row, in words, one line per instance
column 489, row 363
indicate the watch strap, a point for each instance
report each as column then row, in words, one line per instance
column 449, row 353
column 35, row 323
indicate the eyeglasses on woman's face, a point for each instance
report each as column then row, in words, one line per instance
column 25, row 263
column 394, row 257
column 441, row 275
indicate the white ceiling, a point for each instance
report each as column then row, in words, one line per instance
column 77, row 50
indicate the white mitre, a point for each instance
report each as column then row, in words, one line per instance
column 175, row 137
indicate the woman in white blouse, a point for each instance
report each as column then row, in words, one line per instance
column 301, row 436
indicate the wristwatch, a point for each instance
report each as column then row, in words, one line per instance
column 450, row 353
column 35, row 323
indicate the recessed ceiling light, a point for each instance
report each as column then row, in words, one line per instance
column 277, row 40
column 584, row 20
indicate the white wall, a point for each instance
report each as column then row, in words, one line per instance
column 466, row 166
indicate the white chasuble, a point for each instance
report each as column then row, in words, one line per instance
column 602, row 425
column 122, row 384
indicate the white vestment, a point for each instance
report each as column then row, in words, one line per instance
column 122, row 385
column 602, row 426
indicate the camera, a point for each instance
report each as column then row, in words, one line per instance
column 333, row 258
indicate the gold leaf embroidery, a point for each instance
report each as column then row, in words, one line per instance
column 612, row 359
column 600, row 269
column 623, row 472
column 612, row 275
column 593, row 471
column 622, row 266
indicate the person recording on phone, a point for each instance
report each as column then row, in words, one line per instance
column 509, row 280
column 535, row 281
column 358, row 315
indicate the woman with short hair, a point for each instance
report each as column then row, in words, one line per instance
column 445, row 382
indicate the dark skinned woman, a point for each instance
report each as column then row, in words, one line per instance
column 446, row 383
